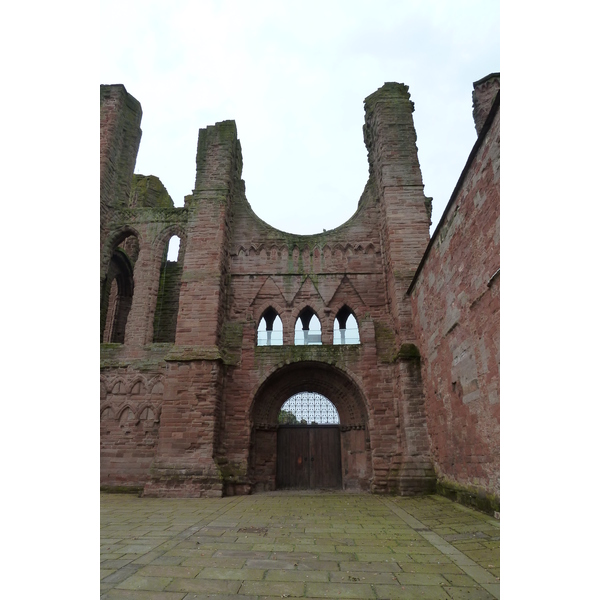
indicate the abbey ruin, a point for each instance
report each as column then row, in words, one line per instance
column 199, row 355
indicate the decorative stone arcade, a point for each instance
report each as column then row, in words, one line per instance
column 197, row 415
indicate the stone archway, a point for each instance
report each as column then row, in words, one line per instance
column 346, row 396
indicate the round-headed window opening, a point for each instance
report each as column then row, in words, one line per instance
column 308, row 408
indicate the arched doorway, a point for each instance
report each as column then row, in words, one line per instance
column 271, row 441
column 308, row 443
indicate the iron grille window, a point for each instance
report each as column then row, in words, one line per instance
column 308, row 408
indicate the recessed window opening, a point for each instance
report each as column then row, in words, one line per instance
column 308, row 329
column 117, row 293
column 345, row 328
column 169, row 285
column 308, row 408
column 270, row 329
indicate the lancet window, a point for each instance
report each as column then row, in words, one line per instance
column 270, row 329
column 345, row 328
column 308, row 328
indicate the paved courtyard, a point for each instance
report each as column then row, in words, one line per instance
column 289, row 545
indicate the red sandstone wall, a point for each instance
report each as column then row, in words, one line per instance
column 484, row 94
column 130, row 412
column 234, row 267
column 207, row 440
column 456, row 304
column 120, row 134
column 367, row 263
column 390, row 138
column 129, row 433
column 324, row 271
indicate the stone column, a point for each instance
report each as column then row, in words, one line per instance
column 390, row 138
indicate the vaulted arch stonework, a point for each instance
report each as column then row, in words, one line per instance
column 342, row 392
column 312, row 376
column 201, row 348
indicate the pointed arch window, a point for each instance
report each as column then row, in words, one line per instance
column 308, row 328
column 345, row 328
column 270, row 329
column 173, row 249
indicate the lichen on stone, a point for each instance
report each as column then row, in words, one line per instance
column 148, row 191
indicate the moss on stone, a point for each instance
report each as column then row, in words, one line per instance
column 153, row 358
column 147, row 191
column 385, row 341
column 122, row 489
column 193, row 353
column 230, row 472
column 268, row 355
column 469, row 496
column 233, row 334
column 110, row 346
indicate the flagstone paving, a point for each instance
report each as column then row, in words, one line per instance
column 296, row 545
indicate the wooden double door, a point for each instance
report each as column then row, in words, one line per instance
column 309, row 457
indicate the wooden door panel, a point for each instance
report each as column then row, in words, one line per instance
column 308, row 457
column 293, row 462
column 325, row 457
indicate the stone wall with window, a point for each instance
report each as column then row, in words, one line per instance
column 249, row 315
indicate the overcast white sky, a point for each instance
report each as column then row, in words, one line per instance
column 294, row 76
